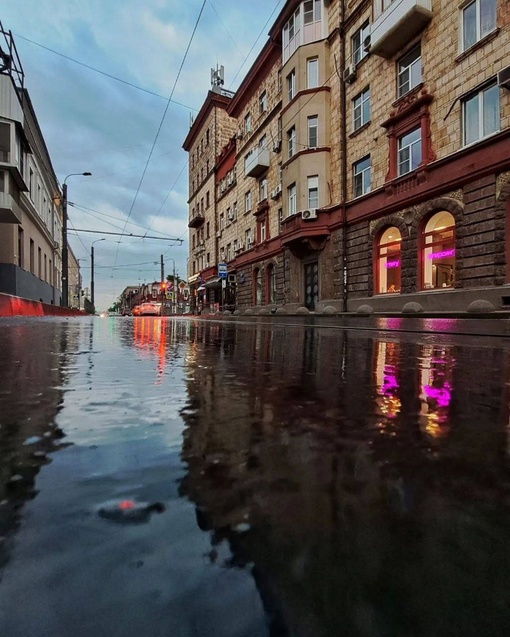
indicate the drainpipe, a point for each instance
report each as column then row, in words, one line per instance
column 343, row 151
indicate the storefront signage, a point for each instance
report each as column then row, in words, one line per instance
column 392, row 264
column 442, row 255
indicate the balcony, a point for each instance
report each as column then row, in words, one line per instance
column 9, row 209
column 196, row 220
column 399, row 23
column 257, row 162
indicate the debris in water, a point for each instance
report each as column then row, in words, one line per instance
column 129, row 511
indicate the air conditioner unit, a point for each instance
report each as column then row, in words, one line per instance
column 240, row 246
column 229, row 179
column 232, row 278
column 218, row 234
column 367, row 44
column 350, row 73
column 504, row 78
column 56, row 245
column 201, row 242
column 277, row 146
column 223, row 187
column 309, row 214
column 231, row 216
column 240, row 134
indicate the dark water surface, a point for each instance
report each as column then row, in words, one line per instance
column 317, row 481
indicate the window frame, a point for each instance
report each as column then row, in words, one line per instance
column 310, row 128
column 410, row 146
column 291, row 85
column 291, row 142
column 391, row 254
column 409, row 68
column 292, row 199
column 263, row 102
column 312, row 63
column 481, row 112
column 312, row 186
column 362, row 174
column 478, row 25
column 363, row 32
column 358, row 106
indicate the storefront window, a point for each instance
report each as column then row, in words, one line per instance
column 439, row 252
column 389, row 263
column 271, row 284
column 257, row 287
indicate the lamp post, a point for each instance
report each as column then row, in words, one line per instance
column 174, row 297
column 92, row 272
column 65, row 250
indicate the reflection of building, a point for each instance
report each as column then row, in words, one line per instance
column 363, row 160
column 30, row 217
column 75, row 281
column 324, row 475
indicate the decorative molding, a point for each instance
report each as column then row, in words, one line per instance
column 503, row 186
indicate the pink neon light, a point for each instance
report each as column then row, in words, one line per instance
column 393, row 264
column 442, row 255
column 442, row 395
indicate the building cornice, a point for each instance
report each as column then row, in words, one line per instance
column 213, row 100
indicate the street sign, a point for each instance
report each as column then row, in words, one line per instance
column 222, row 270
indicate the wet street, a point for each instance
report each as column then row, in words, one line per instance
column 308, row 480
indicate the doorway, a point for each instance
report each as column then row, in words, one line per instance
column 311, row 285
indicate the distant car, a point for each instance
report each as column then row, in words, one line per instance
column 150, row 309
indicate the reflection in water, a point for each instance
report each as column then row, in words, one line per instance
column 308, row 455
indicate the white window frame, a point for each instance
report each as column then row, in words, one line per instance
column 291, row 85
column 292, row 34
column 479, row 96
column 411, row 146
column 358, row 52
column 247, row 201
column 247, row 123
column 292, row 199
column 362, row 176
column 410, row 68
column 313, row 129
column 359, row 115
column 312, row 73
column 313, row 191
column 291, row 141
column 263, row 102
column 262, row 188
column 480, row 34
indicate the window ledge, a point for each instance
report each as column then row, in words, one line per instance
column 478, row 45
column 360, row 129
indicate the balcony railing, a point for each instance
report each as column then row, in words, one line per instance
column 399, row 23
column 257, row 162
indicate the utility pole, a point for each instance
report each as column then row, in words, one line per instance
column 162, row 269
column 65, row 250
column 175, row 292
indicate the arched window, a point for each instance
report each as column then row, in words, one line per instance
column 389, row 262
column 438, row 249
column 257, row 287
column 270, row 285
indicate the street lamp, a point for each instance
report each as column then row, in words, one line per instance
column 65, row 250
column 174, row 297
column 92, row 272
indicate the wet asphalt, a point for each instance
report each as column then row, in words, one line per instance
column 257, row 477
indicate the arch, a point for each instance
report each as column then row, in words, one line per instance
column 437, row 251
column 257, row 286
column 270, row 284
column 388, row 261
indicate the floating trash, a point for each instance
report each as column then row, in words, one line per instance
column 130, row 511
column 32, row 440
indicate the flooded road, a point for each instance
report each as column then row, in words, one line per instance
column 313, row 481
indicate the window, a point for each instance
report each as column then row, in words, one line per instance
column 222, row 221
column 312, row 73
column 208, row 230
column 207, row 137
column 409, row 152
column 2, row 181
column 481, row 114
column 279, row 81
column 247, row 123
column 193, row 238
column 31, row 184
column 478, row 19
column 280, row 219
column 291, row 85
column 263, row 230
column 32, row 256
column 358, row 52
column 257, row 287
column 313, row 191
column 291, row 191
column 247, row 201
column 389, row 262
column 248, row 238
column 361, row 109
column 263, row 189
column 207, row 199
column 39, row 263
column 361, row 177
column 270, row 284
column 438, row 261
column 409, row 71
column 21, row 247
column 291, row 141
column 291, row 35
column 263, row 102
column 50, row 267
column 5, row 142
column 313, row 125
column 263, row 142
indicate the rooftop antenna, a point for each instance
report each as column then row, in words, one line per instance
column 217, row 78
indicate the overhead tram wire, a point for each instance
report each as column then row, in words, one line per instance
column 163, row 118
column 226, row 29
column 109, row 75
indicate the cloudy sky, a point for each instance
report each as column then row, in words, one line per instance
column 94, row 123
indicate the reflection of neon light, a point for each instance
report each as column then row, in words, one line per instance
column 393, row 264
column 442, row 395
column 443, row 255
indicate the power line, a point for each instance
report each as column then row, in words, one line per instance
column 224, row 26
column 163, row 118
column 124, row 234
column 92, row 68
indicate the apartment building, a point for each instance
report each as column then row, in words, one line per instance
column 30, row 214
column 391, row 166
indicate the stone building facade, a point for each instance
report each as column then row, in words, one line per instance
column 30, row 196
column 390, row 163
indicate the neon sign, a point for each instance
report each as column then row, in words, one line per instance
column 443, row 255
column 393, row 264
